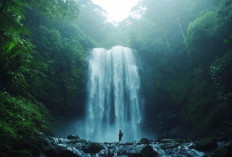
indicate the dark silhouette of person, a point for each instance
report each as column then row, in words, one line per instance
column 120, row 135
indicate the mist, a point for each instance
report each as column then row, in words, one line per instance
column 115, row 78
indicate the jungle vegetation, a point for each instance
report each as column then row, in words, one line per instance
column 184, row 48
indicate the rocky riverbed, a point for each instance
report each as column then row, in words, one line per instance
column 73, row 146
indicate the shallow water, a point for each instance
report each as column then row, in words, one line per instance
column 164, row 148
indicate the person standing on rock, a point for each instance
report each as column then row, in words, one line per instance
column 120, row 136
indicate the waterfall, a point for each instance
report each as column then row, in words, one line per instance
column 113, row 96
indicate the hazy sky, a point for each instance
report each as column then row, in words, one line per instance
column 117, row 10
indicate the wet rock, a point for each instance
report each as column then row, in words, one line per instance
column 122, row 152
column 73, row 137
column 163, row 147
column 144, row 141
column 206, row 144
column 222, row 139
column 224, row 151
column 169, row 143
column 127, row 144
column 93, row 148
column 107, row 153
column 148, row 151
column 59, row 152
column 67, row 153
column 51, row 153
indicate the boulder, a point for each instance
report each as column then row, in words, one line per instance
column 223, row 151
column 144, row 141
column 59, row 152
column 148, row 151
column 206, row 144
column 93, row 148
column 122, row 152
column 73, row 137
column 67, row 153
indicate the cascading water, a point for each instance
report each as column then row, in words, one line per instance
column 113, row 96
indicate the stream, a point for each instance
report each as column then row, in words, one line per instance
column 160, row 148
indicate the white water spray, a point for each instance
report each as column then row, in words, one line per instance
column 113, row 96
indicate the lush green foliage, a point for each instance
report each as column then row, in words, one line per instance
column 184, row 82
column 21, row 118
column 185, row 54
column 61, row 59
column 42, row 66
column 220, row 71
column 206, row 34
